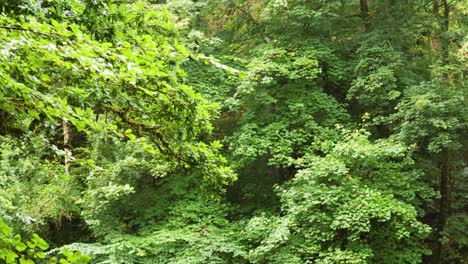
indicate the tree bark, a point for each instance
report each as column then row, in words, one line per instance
column 66, row 144
column 445, row 29
column 439, row 40
column 444, row 207
column 435, row 35
column 364, row 6
column 435, row 8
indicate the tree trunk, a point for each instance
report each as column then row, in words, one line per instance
column 365, row 13
column 66, row 144
column 444, row 181
column 439, row 40
column 444, row 207
column 435, row 8
column 435, row 35
column 445, row 29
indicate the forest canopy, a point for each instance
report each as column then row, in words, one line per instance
column 233, row 131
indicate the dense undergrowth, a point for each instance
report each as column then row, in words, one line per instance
column 244, row 131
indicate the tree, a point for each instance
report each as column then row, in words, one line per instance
column 351, row 205
column 62, row 75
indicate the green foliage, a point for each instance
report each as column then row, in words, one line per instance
column 345, row 122
column 433, row 117
column 134, row 78
column 352, row 205
column 163, row 223
column 13, row 249
column 188, row 245
column 33, row 191
column 284, row 107
column 116, row 80
column 377, row 83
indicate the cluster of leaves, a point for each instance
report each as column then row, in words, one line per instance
column 284, row 107
column 57, row 71
column 351, row 205
column 147, row 215
column 33, row 191
column 15, row 250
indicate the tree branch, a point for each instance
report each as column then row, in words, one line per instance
column 30, row 30
column 259, row 27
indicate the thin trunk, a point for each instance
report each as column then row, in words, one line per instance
column 365, row 13
column 66, row 144
column 435, row 35
column 444, row 207
column 444, row 181
column 445, row 29
column 259, row 28
column 435, row 8
column 439, row 40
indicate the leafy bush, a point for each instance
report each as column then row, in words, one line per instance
column 13, row 249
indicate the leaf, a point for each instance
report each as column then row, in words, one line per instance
column 20, row 246
column 40, row 242
column 40, row 255
column 34, row 114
